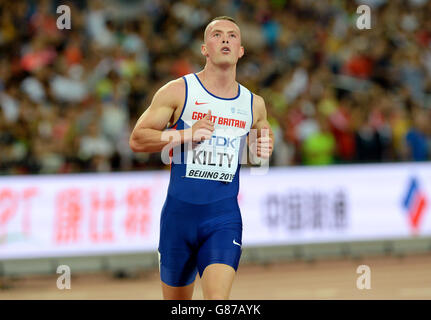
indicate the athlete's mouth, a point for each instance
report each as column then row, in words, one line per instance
column 225, row 49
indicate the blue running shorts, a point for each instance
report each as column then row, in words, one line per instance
column 193, row 236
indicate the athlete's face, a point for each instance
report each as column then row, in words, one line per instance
column 222, row 43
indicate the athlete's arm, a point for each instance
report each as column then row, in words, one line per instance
column 261, row 143
column 147, row 136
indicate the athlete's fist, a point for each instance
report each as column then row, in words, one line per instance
column 264, row 143
column 203, row 129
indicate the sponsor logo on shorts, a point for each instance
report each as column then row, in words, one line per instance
column 236, row 243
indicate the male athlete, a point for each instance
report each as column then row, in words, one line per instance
column 200, row 225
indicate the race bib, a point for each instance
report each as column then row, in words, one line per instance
column 215, row 158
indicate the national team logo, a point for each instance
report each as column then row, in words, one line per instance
column 414, row 203
column 243, row 111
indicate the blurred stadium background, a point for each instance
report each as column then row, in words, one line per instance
column 350, row 109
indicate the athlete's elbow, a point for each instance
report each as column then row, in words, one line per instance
column 136, row 145
column 132, row 145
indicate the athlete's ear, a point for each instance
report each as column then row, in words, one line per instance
column 241, row 51
column 204, row 50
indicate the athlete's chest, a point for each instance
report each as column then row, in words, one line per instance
column 233, row 116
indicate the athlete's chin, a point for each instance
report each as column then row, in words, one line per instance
column 226, row 63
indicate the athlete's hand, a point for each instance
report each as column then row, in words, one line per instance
column 203, row 128
column 264, row 144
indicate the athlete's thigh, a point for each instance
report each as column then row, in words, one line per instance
column 219, row 254
column 177, row 293
column 221, row 240
column 177, row 255
column 217, row 281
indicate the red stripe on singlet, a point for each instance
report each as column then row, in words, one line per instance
column 171, row 152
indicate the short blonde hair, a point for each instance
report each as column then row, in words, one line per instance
column 216, row 19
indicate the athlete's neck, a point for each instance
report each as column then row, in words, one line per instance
column 220, row 82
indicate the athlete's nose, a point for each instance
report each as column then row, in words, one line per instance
column 225, row 41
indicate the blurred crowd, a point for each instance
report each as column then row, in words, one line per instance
column 334, row 94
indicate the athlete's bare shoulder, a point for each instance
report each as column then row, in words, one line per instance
column 258, row 102
column 175, row 92
column 164, row 106
column 172, row 93
column 259, row 109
